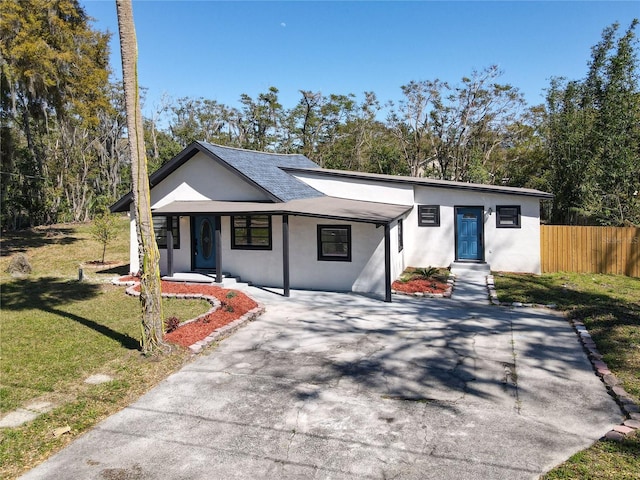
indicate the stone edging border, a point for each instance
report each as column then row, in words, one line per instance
column 629, row 408
column 447, row 294
column 219, row 333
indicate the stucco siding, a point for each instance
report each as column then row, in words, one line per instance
column 358, row 189
column 512, row 249
column 365, row 272
column 261, row 267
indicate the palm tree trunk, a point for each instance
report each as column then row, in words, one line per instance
column 150, row 287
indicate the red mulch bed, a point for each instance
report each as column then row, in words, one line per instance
column 129, row 278
column 420, row 285
column 234, row 304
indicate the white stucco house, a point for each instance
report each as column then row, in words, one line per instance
column 282, row 221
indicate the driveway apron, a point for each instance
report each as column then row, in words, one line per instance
column 340, row 386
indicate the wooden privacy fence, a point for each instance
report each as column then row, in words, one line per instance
column 613, row 250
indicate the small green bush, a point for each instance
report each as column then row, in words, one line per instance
column 426, row 272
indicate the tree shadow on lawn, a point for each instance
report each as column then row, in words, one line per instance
column 119, row 270
column 576, row 304
column 48, row 293
column 20, row 241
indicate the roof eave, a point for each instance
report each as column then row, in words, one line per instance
column 421, row 181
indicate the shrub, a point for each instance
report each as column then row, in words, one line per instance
column 426, row 272
column 171, row 324
column 104, row 230
column 19, row 264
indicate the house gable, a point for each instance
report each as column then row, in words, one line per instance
column 205, row 178
column 262, row 171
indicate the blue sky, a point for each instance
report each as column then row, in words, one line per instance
column 219, row 50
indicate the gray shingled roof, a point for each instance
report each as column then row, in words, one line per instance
column 264, row 169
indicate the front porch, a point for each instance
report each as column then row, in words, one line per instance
column 287, row 257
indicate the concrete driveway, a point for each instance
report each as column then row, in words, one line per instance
column 340, row 386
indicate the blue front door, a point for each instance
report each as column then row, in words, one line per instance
column 469, row 222
column 204, row 242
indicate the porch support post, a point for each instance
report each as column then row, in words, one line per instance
column 387, row 262
column 170, row 247
column 218, row 238
column 285, row 255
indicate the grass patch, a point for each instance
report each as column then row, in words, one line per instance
column 609, row 306
column 56, row 332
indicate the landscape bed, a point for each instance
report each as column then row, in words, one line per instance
column 231, row 305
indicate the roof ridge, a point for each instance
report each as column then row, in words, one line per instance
column 202, row 142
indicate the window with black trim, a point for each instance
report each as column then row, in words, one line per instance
column 334, row 243
column 251, row 232
column 507, row 216
column 160, row 226
column 400, row 236
column 429, row 215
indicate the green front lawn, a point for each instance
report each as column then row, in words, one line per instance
column 56, row 331
column 609, row 306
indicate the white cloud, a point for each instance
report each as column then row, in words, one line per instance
column 282, row 24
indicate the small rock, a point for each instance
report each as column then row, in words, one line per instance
column 516, row 304
column 58, row 432
column 630, row 409
column 622, row 429
column 611, row 380
column 613, row 435
column 631, row 423
column 619, row 391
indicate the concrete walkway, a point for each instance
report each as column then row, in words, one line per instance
column 471, row 283
column 340, row 386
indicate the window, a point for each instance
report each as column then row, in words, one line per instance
column 251, row 232
column 334, row 243
column 400, row 236
column 429, row 215
column 160, row 227
column 507, row 216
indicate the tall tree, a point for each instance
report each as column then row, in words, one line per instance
column 593, row 136
column 261, row 120
column 150, row 286
column 54, row 81
column 452, row 132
